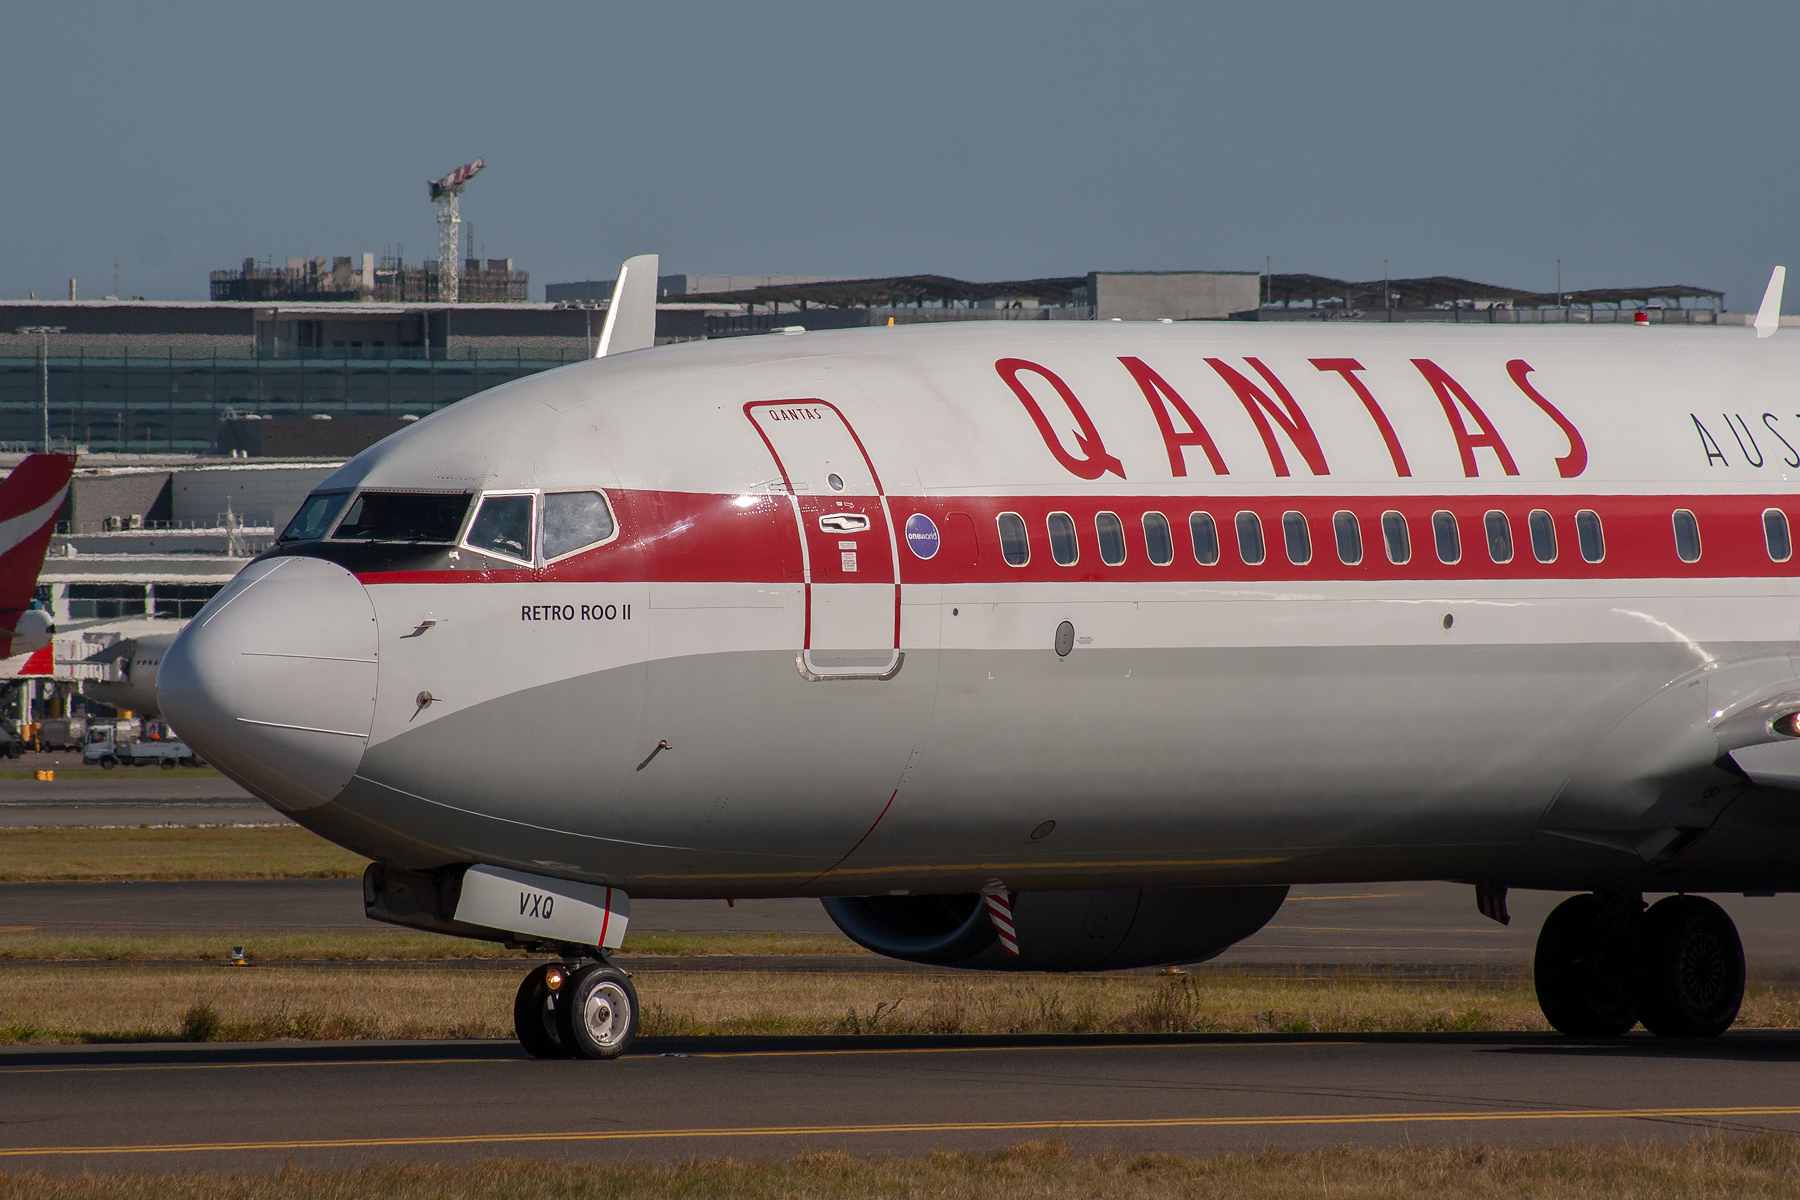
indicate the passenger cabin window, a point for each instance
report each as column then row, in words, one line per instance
column 1015, row 545
column 1396, row 537
column 1687, row 536
column 1159, row 539
column 1111, row 533
column 1349, row 537
column 404, row 517
column 314, row 519
column 1298, row 537
column 1447, row 537
column 1543, row 536
column 503, row 526
column 1589, row 535
column 1499, row 536
column 1775, row 535
column 1205, row 535
column 574, row 521
column 1250, row 538
column 1063, row 546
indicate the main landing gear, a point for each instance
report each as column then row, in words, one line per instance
column 1604, row 963
column 576, row 1010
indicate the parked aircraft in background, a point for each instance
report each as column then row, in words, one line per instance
column 31, row 499
column 1052, row 645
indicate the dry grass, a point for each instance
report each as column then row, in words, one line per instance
column 48, row 1004
column 173, row 852
column 1043, row 1170
column 792, row 1003
column 379, row 943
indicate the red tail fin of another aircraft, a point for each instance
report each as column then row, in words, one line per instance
column 31, row 498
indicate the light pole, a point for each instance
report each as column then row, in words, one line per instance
column 44, row 332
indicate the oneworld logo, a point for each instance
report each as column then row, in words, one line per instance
column 921, row 535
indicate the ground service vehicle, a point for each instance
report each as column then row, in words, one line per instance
column 1053, row 646
column 110, row 746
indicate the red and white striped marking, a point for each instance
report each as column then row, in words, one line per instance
column 999, row 910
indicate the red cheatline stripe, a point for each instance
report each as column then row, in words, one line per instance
column 676, row 537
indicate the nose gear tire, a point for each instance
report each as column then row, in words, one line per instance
column 597, row 1012
column 534, row 1017
column 1691, row 969
column 1580, row 985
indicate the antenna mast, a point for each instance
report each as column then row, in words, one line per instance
column 445, row 191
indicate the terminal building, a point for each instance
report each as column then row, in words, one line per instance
column 316, row 341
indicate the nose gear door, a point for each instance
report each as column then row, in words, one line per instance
column 846, row 537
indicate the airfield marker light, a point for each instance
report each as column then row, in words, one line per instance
column 238, row 958
column 1641, row 318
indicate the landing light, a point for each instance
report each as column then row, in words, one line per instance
column 553, row 978
column 1788, row 726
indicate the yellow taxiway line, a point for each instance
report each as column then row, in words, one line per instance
column 840, row 1131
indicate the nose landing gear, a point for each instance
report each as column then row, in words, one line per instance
column 1605, row 964
column 572, row 1010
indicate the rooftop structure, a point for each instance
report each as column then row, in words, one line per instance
column 343, row 280
column 1448, row 292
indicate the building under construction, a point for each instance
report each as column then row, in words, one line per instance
column 343, row 278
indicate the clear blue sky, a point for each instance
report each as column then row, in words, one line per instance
column 1640, row 143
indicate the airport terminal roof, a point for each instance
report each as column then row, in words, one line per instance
column 1447, row 289
column 898, row 289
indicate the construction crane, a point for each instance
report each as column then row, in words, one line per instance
column 445, row 191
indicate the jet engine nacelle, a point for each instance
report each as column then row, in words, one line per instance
column 32, row 632
column 1060, row 931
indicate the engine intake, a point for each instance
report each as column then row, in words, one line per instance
column 1107, row 930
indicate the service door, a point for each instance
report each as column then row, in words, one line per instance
column 846, row 537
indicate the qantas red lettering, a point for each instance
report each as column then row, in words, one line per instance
column 1277, row 416
column 1093, row 461
column 1575, row 461
column 1450, row 395
column 1157, row 393
column 1287, row 414
column 1348, row 367
column 794, row 414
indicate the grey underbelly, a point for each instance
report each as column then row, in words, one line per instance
column 1192, row 765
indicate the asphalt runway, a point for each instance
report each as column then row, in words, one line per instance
column 214, row 1108
column 1412, row 928
column 127, row 796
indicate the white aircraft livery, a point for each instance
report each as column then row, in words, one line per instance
column 1052, row 646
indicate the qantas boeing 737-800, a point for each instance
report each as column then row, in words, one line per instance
column 1051, row 645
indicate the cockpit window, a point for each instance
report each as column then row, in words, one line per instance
column 502, row 526
column 573, row 521
column 404, row 517
column 314, row 519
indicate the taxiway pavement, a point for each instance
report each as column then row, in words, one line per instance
column 1408, row 928
column 128, row 796
column 217, row 1108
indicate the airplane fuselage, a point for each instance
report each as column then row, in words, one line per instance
column 1072, row 606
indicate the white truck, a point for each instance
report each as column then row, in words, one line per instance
column 109, row 745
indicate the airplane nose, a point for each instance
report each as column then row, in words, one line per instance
column 274, row 681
